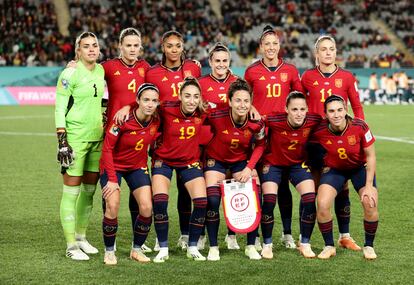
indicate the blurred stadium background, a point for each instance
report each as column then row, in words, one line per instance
column 372, row 36
column 36, row 41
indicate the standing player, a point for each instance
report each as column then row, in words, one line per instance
column 214, row 87
column 125, row 155
column 79, row 130
column 320, row 83
column 123, row 76
column 288, row 134
column 272, row 80
column 350, row 155
column 168, row 76
column 178, row 149
column 233, row 136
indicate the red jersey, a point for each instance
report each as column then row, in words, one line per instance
column 123, row 82
column 286, row 144
column 126, row 146
column 319, row 87
column 232, row 143
column 214, row 91
column 271, row 88
column 169, row 80
column 180, row 136
column 344, row 151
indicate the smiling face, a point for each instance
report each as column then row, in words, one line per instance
column 240, row 104
column 325, row 52
column 130, row 48
column 148, row 102
column 88, row 49
column 220, row 64
column 173, row 48
column 190, row 97
column 296, row 111
column 336, row 115
column 270, row 46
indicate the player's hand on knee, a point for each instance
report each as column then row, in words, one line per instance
column 369, row 195
column 109, row 189
column 65, row 155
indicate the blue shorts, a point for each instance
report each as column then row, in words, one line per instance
column 212, row 164
column 135, row 178
column 337, row 178
column 297, row 173
column 316, row 154
column 186, row 173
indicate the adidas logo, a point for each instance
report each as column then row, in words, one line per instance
column 329, row 142
column 284, row 133
column 225, row 132
column 176, row 120
column 262, row 78
column 210, row 89
column 164, row 79
column 117, row 73
column 133, row 133
column 315, row 83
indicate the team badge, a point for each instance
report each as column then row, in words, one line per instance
column 158, row 164
column 306, row 132
column 284, row 77
column 141, row 72
column 247, row 133
column 153, row 130
column 187, row 73
column 351, row 140
column 211, row 162
column 338, row 83
column 114, row 130
column 265, row 169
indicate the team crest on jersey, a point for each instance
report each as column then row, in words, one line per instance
column 197, row 120
column 328, row 142
column 315, row 83
column 164, row 79
column 158, row 164
column 187, row 73
column 211, row 162
column 153, row 130
column 284, row 77
column 141, row 72
column 352, row 140
column 338, row 83
column 117, row 72
column 262, row 78
column 246, row 133
column 210, row 89
column 133, row 133
column 265, row 169
column 306, row 132
column 114, row 130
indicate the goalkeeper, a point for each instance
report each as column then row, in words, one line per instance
column 80, row 133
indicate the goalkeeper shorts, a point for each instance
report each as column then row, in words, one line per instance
column 87, row 155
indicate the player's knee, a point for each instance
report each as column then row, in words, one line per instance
column 145, row 209
column 112, row 208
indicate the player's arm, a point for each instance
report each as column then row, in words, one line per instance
column 369, row 192
column 123, row 114
column 354, row 100
column 63, row 104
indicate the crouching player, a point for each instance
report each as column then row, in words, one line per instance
column 350, row 154
column 125, row 155
column 288, row 135
column 233, row 136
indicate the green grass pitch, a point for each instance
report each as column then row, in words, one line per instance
column 32, row 246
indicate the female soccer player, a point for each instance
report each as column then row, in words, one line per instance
column 214, row 87
column 320, row 83
column 288, row 134
column 79, row 130
column 350, row 155
column 233, row 135
column 125, row 155
column 168, row 76
column 272, row 80
column 178, row 149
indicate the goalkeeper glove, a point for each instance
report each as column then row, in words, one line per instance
column 65, row 155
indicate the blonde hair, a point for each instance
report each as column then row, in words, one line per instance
column 318, row 41
column 81, row 37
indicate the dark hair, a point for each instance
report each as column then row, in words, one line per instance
column 294, row 95
column 146, row 86
column 218, row 47
column 333, row 98
column 128, row 32
column 239, row 84
column 165, row 36
column 266, row 31
column 188, row 81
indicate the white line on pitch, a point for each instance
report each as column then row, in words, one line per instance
column 27, row 134
column 394, row 139
column 24, row 117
